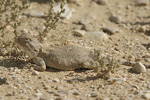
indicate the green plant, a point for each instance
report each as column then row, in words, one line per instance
column 103, row 66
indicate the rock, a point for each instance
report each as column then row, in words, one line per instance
column 142, row 2
column 56, row 80
column 94, row 94
column 142, row 29
column 116, row 19
column 97, row 36
column 2, row 98
column 62, row 92
column 77, row 2
column 67, row 14
column 87, row 27
column 35, row 72
column 119, row 80
column 59, row 98
column 3, row 80
column 146, row 96
column 38, row 94
column 79, row 33
column 139, row 68
column 76, row 93
column 102, row 2
column 109, row 30
column 33, row 13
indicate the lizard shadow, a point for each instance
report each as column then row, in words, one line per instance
column 82, row 79
column 50, row 69
column 40, row 1
column 11, row 62
column 146, row 45
column 89, row 78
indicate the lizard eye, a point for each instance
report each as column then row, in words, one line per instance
column 27, row 40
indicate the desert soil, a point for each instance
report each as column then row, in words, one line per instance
column 129, row 43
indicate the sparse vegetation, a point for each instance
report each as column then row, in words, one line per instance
column 51, row 20
column 10, row 11
column 103, row 66
column 9, row 18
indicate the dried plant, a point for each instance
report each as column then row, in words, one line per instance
column 9, row 17
column 103, row 65
column 51, row 20
column 9, row 13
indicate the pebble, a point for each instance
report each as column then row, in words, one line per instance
column 38, row 94
column 142, row 29
column 79, row 33
column 62, row 92
column 35, row 72
column 146, row 96
column 76, row 93
column 102, row 2
column 139, row 68
column 109, row 30
column 33, row 13
column 87, row 27
column 59, row 98
column 116, row 19
column 94, row 94
column 116, row 79
column 3, row 80
column 67, row 14
column 77, row 2
column 97, row 36
column 142, row 2
column 2, row 98
column 56, row 80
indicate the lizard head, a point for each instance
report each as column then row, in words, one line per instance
column 28, row 44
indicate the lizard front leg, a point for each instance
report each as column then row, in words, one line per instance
column 41, row 66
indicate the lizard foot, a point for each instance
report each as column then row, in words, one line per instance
column 41, row 66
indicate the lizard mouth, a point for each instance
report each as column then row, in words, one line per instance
column 28, row 45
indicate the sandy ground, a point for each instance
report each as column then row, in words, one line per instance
column 129, row 44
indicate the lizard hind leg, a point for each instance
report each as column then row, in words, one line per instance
column 41, row 66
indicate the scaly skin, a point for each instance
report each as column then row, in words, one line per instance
column 68, row 57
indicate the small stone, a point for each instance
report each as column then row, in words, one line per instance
column 139, row 68
column 79, row 33
column 59, row 98
column 2, row 98
column 11, row 93
column 35, row 72
column 146, row 96
column 34, row 13
column 76, row 93
column 62, row 92
column 109, row 30
column 142, row 2
column 77, row 2
column 50, row 91
column 116, row 79
column 94, row 94
column 67, row 14
column 38, row 94
column 87, row 27
column 142, row 29
column 3, row 80
column 56, row 80
column 102, row 2
column 97, row 36
column 116, row 19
